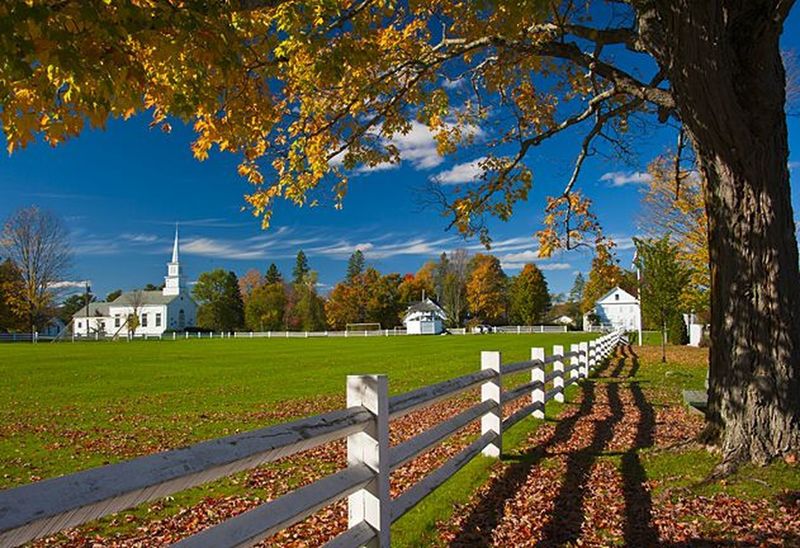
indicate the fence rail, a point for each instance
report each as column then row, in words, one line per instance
column 282, row 334
column 43, row 508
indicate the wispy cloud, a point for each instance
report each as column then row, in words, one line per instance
column 69, row 284
column 794, row 165
column 622, row 178
column 214, row 222
column 140, row 238
column 210, row 247
column 466, row 172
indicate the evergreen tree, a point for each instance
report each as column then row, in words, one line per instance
column 529, row 299
column 273, row 275
column 355, row 265
column 73, row 304
column 301, row 268
column 576, row 293
column 113, row 295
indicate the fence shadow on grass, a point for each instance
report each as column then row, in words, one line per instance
column 567, row 516
column 476, row 530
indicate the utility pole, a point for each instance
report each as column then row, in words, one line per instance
column 86, row 285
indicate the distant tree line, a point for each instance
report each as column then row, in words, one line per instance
column 470, row 289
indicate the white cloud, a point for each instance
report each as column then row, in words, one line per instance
column 417, row 246
column 68, row 284
column 511, row 265
column 622, row 178
column 467, row 172
column 794, row 165
column 417, row 147
column 140, row 238
column 209, row 247
column 450, row 83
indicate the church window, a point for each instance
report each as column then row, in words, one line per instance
column 181, row 319
column 144, row 320
column 158, row 319
column 116, row 321
column 80, row 324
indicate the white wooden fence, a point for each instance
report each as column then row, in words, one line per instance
column 284, row 334
column 43, row 508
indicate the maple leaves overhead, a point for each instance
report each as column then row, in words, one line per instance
column 304, row 91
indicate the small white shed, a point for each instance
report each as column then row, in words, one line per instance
column 424, row 318
column 618, row 309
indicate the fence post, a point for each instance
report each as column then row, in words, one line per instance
column 575, row 361
column 491, row 390
column 537, row 375
column 558, row 367
column 371, row 447
column 584, row 349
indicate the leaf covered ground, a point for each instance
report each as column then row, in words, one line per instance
column 616, row 465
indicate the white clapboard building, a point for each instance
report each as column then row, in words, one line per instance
column 424, row 318
column 617, row 309
column 170, row 308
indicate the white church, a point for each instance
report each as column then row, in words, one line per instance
column 171, row 308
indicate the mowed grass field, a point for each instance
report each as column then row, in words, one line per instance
column 70, row 406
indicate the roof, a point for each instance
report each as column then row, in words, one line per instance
column 95, row 309
column 625, row 297
column 102, row 308
column 427, row 305
column 143, row 297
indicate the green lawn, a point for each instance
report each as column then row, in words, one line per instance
column 69, row 406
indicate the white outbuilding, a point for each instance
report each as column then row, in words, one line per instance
column 618, row 309
column 424, row 318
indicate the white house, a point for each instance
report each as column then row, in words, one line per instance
column 617, row 309
column 169, row 308
column 424, row 318
column 564, row 320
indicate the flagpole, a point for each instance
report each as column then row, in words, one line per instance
column 639, row 290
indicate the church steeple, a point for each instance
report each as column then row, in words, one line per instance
column 175, row 246
column 174, row 281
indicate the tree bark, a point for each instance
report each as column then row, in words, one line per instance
column 723, row 61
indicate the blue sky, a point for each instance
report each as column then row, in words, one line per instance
column 120, row 191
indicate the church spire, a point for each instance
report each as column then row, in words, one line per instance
column 175, row 246
column 174, row 282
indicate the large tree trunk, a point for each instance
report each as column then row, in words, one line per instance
column 723, row 61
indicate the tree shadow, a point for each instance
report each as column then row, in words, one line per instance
column 476, row 530
column 567, row 516
column 639, row 530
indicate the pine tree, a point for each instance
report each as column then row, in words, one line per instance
column 273, row 275
column 301, row 268
column 576, row 293
column 355, row 265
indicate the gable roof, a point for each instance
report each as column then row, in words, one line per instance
column 95, row 309
column 625, row 297
column 143, row 297
column 428, row 305
column 126, row 299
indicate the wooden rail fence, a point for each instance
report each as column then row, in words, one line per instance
column 46, row 507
